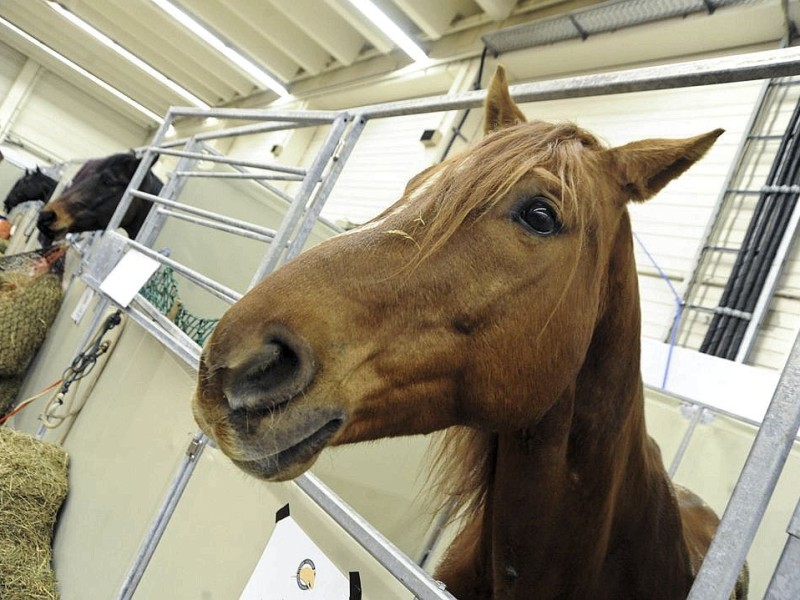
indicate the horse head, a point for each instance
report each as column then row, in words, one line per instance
column 34, row 185
column 90, row 201
column 472, row 301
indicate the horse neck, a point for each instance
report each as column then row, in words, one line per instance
column 577, row 501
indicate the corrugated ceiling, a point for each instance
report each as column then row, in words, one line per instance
column 292, row 39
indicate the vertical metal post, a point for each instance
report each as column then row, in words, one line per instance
column 785, row 581
column 325, row 189
column 155, row 221
column 691, row 275
column 163, row 516
column 147, row 158
column 687, row 437
column 754, row 488
column 275, row 254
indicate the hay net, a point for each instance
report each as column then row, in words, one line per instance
column 33, row 485
column 161, row 290
column 30, row 296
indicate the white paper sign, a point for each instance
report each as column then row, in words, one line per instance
column 293, row 568
column 128, row 277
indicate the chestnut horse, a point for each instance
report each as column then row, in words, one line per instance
column 498, row 298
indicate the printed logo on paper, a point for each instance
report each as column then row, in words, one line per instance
column 306, row 574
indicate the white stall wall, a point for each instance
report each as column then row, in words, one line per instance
column 11, row 63
column 59, row 121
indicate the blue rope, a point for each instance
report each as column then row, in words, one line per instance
column 678, row 308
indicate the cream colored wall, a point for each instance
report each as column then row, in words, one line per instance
column 710, row 468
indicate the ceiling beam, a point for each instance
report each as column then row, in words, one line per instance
column 433, row 18
column 293, row 41
column 356, row 20
column 325, row 26
column 497, row 9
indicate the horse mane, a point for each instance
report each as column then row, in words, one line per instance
column 461, row 473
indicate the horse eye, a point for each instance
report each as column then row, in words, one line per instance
column 537, row 215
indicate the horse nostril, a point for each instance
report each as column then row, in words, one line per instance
column 46, row 217
column 278, row 366
column 280, row 370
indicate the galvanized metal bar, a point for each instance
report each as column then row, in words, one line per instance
column 770, row 285
column 216, row 158
column 214, row 225
column 726, row 69
column 273, row 257
column 312, row 214
column 154, row 223
column 387, row 554
column 785, row 583
column 690, row 279
column 217, row 175
column 235, row 132
column 158, row 325
column 712, row 409
column 755, row 486
column 148, row 158
column 309, row 117
column 263, row 183
column 217, row 289
column 687, row 437
column 163, row 516
column 200, row 212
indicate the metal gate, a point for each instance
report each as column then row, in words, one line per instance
column 314, row 184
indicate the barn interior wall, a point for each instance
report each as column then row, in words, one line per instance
column 58, row 121
column 126, row 448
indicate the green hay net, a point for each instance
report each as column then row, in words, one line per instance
column 161, row 291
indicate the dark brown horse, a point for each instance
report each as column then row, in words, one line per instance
column 88, row 203
column 498, row 298
column 34, row 185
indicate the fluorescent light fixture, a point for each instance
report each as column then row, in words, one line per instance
column 130, row 57
column 387, row 26
column 244, row 63
column 77, row 68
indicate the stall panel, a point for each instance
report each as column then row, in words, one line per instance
column 227, row 258
column 224, row 520
column 124, row 450
column 711, row 469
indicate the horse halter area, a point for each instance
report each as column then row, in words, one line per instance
column 179, row 504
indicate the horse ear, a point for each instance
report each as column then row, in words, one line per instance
column 646, row 166
column 500, row 110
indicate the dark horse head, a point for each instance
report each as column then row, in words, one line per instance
column 88, row 203
column 34, row 185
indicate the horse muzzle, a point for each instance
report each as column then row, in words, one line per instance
column 253, row 404
column 47, row 224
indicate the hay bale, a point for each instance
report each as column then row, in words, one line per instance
column 33, row 484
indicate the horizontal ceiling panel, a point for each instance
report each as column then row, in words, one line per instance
column 303, row 42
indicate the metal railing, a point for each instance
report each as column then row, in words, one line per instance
column 303, row 208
